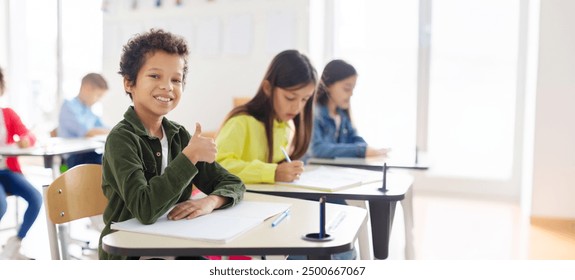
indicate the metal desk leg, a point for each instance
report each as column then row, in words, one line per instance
column 381, row 213
column 50, row 164
column 407, row 206
column 54, row 249
column 62, row 230
column 64, row 236
column 364, row 238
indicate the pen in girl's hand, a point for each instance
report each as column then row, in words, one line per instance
column 286, row 154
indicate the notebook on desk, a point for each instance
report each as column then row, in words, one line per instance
column 324, row 178
column 220, row 226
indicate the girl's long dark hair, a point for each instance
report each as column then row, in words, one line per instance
column 289, row 69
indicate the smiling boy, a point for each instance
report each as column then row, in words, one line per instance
column 150, row 163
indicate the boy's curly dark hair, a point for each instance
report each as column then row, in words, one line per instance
column 140, row 46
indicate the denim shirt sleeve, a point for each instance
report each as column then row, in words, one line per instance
column 325, row 144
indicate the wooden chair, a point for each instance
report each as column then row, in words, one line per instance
column 75, row 194
column 211, row 134
column 240, row 100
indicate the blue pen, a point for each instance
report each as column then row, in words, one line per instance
column 279, row 219
column 286, row 154
column 321, row 217
column 336, row 221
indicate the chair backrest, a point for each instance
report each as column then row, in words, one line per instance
column 240, row 100
column 75, row 194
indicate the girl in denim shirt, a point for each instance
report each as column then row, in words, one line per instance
column 333, row 133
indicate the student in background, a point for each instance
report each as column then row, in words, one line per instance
column 334, row 134
column 77, row 119
column 13, row 131
column 151, row 162
column 252, row 136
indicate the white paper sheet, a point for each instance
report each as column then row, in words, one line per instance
column 326, row 178
column 220, row 226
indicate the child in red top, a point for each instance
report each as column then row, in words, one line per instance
column 13, row 131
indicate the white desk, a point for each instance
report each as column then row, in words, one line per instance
column 415, row 160
column 54, row 147
column 381, row 206
column 284, row 239
column 394, row 160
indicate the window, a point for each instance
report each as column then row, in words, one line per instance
column 82, row 45
column 468, row 58
column 31, row 84
column 472, row 91
column 33, row 68
column 380, row 38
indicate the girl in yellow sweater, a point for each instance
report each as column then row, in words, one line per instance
column 252, row 137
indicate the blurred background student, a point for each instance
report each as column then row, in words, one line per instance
column 334, row 134
column 13, row 131
column 77, row 120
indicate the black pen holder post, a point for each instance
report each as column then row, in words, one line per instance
column 384, row 186
column 320, row 236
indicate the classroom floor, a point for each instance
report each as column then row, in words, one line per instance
column 447, row 227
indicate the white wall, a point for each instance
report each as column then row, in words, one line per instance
column 3, row 33
column 554, row 141
column 215, row 75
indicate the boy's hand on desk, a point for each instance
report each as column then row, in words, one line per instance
column 289, row 171
column 190, row 209
column 200, row 148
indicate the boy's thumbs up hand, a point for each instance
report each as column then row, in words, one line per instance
column 198, row 131
column 200, row 148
